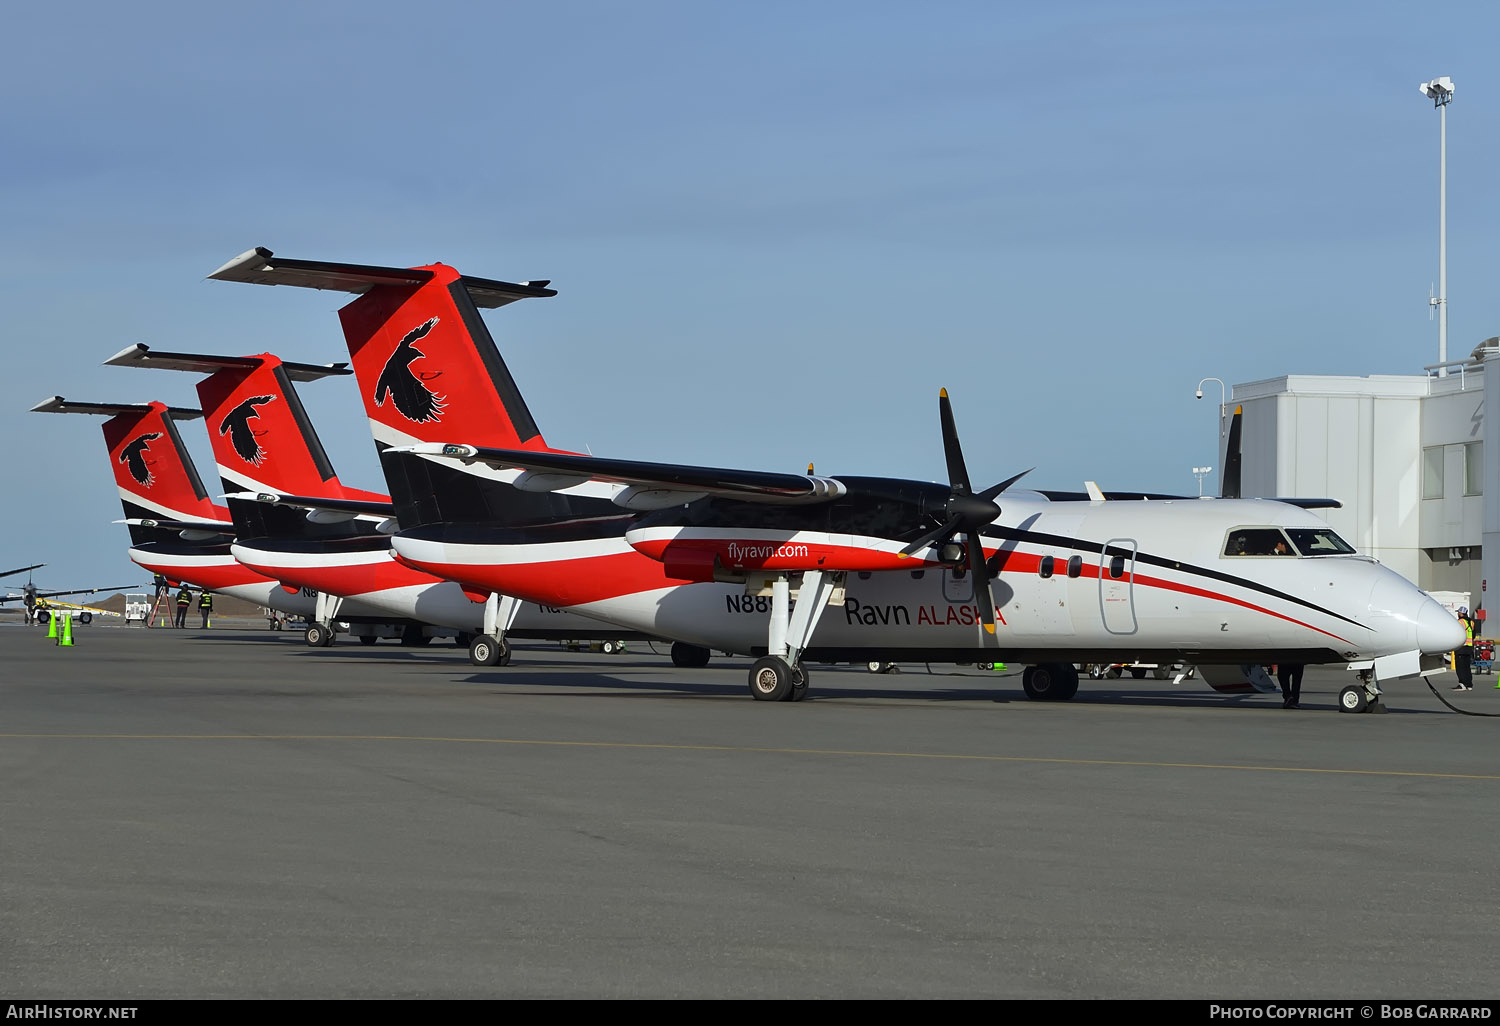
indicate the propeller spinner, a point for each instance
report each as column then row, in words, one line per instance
column 965, row 513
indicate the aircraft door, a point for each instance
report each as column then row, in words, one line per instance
column 1116, row 585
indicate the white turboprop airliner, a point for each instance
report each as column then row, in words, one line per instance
column 787, row 566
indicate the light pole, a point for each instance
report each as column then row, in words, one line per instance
column 1440, row 92
column 1201, row 472
column 1222, row 401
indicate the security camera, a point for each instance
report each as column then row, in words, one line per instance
column 1199, row 395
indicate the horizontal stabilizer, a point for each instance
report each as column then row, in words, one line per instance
column 57, row 404
column 1312, row 503
column 181, row 524
column 567, row 469
column 141, row 355
column 260, row 266
column 358, row 507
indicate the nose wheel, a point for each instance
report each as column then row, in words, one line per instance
column 1363, row 697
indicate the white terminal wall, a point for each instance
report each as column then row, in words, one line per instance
column 1359, row 440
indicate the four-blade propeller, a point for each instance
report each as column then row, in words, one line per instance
column 965, row 513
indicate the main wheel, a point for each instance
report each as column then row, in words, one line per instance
column 1138, row 672
column 484, row 651
column 1162, row 673
column 608, row 648
column 770, row 679
column 317, row 635
column 413, row 635
column 1050, row 682
column 368, row 639
column 1352, row 699
column 689, row 656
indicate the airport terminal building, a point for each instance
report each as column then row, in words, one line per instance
column 1406, row 455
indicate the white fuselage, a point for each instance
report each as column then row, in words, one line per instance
column 1176, row 591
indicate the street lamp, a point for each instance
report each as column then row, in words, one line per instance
column 1202, row 472
column 1440, row 92
column 1223, row 398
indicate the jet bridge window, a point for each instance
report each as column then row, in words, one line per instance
column 1257, row 541
column 1048, row 566
column 1075, row 566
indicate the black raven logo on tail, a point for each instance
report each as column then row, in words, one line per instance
column 237, row 423
column 134, row 458
column 413, row 400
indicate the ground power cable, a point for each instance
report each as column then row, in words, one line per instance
column 1466, row 712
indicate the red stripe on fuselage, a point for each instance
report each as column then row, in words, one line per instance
column 1029, row 564
column 567, row 582
column 344, row 580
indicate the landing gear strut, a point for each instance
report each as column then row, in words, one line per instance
column 489, row 647
column 780, row 676
column 320, row 631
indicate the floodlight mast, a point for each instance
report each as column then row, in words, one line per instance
column 1440, row 92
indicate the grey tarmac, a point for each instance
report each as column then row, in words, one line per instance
column 230, row 814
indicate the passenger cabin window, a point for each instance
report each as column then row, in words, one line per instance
column 1117, row 567
column 1257, row 541
column 1075, row 566
column 1048, row 566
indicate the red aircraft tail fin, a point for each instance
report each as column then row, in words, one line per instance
column 152, row 468
column 262, row 437
column 428, row 369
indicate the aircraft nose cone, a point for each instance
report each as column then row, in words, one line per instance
column 1437, row 629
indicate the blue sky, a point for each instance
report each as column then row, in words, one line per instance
column 776, row 229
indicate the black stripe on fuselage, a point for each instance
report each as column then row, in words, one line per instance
column 1040, row 538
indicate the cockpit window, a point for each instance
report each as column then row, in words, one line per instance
column 1257, row 541
column 1319, row 541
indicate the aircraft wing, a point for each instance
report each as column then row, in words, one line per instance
column 670, row 483
column 22, row 569
column 78, row 591
column 358, row 507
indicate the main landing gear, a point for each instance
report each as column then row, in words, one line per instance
column 320, row 631
column 779, row 676
column 772, row 679
column 487, row 651
column 1050, row 682
column 489, row 647
column 692, row 657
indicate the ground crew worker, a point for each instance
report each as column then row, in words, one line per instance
column 183, row 598
column 205, row 605
column 1462, row 656
column 30, row 601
